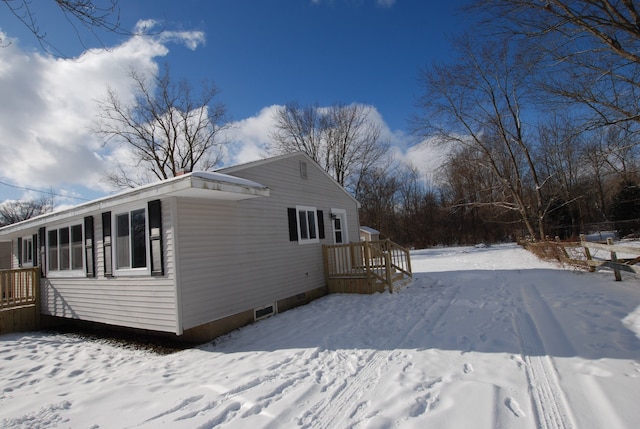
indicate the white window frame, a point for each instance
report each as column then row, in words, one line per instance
column 26, row 262
column 342, row 213
column 307, row 210
column 78, row 272
column 127, row 271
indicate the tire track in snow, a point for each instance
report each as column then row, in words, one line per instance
column 549, row 403
column 331, row 412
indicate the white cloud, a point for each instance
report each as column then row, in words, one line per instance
column 49, row 106
column 249, row 138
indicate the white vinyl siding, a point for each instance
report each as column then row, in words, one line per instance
column 145, row 302
column 237, row 256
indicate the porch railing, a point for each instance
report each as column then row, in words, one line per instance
column 365, row 266
column 19, row 287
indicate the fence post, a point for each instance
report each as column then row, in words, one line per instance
column 614, row 261
column 366, row 263
column 325, row 258
column 587, row 253
column 387, row 268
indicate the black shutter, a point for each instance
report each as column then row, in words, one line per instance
column 34, row 249
column 320, row 224
column 20, row 252
column 293, row 225
column 42, row 246
column 89, row 253
column 155, row 238
column 106, row 244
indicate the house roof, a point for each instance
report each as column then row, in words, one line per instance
column 369, row 230
column 251, row 164
column 197, row 184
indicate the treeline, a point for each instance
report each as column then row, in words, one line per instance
column 591, row 187
column 538, row 114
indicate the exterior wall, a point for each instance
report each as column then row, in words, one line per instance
column 143, row 302
column 236, row 256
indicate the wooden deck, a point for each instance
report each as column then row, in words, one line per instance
column 19, row 300
column 366, row 267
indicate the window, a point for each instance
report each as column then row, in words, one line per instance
column 339, row 224
column 65, row 250
column 131, row 240
column 27, row 251
column 305, row 225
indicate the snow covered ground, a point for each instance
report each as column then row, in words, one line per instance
column 483, row 338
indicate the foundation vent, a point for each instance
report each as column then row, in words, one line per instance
column 264, row 312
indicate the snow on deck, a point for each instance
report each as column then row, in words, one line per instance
column 483, row 338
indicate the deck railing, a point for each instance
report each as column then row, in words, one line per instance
column 19, row 287
column 370, row 262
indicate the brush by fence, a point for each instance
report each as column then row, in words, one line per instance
column 591, row 255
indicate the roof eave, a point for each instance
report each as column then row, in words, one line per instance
column 182, row 186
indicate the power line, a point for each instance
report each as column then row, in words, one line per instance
column 43, row 192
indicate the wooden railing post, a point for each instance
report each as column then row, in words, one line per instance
column 325, row 259
column 587, row 252
column 36, row 295
column 367, row 260
column 614, row 261
column 387, row 268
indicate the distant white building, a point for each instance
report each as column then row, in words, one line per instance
column 369, row 234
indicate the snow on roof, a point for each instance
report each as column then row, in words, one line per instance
column 369, row 230
column 199, row 184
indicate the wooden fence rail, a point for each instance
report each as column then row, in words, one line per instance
column 366, row 266
column 582, row 254
column 19, row 300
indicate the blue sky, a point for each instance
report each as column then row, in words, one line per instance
column 259, row 53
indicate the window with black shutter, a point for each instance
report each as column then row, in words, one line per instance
column 88, row 247
column 155, row 238
column 106, row 244
column 305, row 224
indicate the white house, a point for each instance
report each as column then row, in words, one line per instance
column 196, row 255
column 369, row 234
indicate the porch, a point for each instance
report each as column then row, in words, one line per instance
column 19, row 300
column 366, row 267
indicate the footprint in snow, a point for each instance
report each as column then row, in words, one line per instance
column 514, row 407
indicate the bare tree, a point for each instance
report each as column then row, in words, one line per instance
column 591, row 48
column 16, row 211
column 168, row 128
column 341, row 138
column 379, row 200
column 559, row 155
column 478, row 102
column 92, row 16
